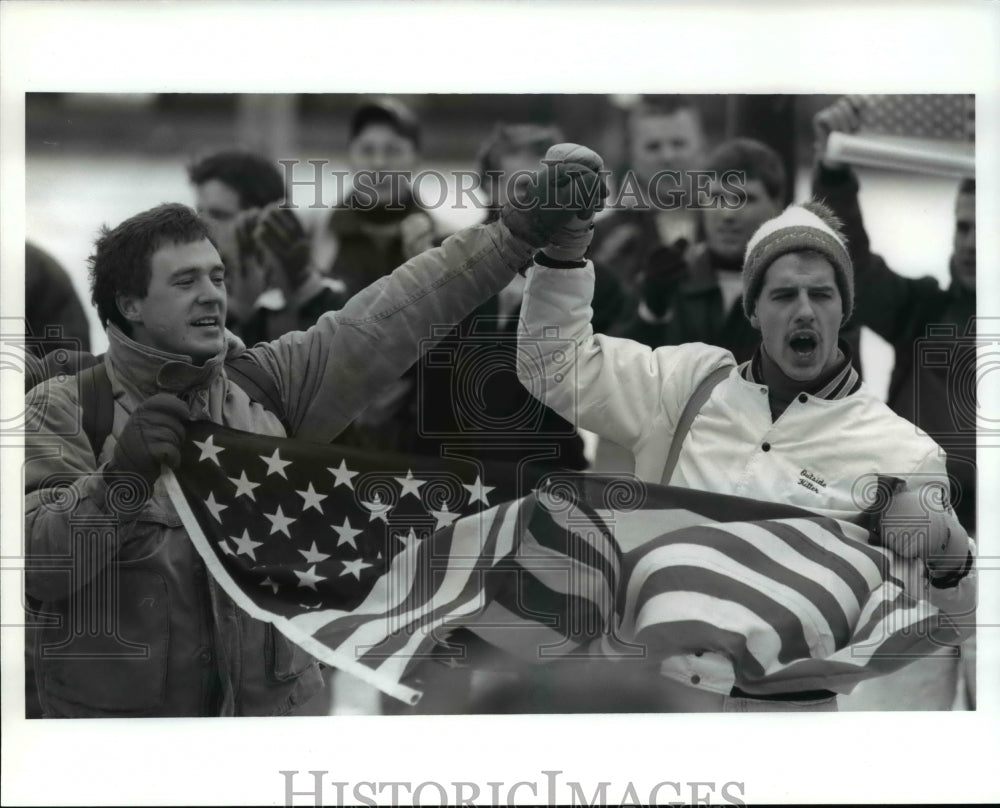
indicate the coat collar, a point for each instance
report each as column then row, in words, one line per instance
column 843, row 383
column 149, row 371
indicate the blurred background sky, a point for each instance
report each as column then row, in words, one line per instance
column 94, row 159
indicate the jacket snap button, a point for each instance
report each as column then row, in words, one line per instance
column 803, row 398
column 695, row 679
column 205, row 656
column 766, row 446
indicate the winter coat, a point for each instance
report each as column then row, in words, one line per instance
column 634, row 395
column 178, row 646
column 820, row 453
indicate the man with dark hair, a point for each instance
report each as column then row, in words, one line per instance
column 665, row 140
column 228, row 182
column 159, row 285
column 767, row 428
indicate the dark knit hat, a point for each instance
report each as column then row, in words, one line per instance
column 389, row 111
column 811, row 226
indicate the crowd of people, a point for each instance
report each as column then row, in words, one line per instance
column 723, row 295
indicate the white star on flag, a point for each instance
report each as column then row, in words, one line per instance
column 377, row 509
column 410, row 484
column 354, row 567
column 209, row 451
column 280, row 522
column 226, row 548
column 313, row 556
column 309, row 577
column 311, row 499
column 346, row 534
column 343, row 475
column 445, row 518
column 214, row 506
column 478, row 491
column 243, row 486
column 273, row 584
column 275, row 465
column 246, row 545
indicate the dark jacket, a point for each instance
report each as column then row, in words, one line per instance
column 359, row 259
column 925, row 324
column 624, row 240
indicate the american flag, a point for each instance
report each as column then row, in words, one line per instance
column 374, row 569
column 940, row 116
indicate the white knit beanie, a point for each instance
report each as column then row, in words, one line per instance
column 811, row 226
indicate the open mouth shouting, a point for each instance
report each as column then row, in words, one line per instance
column 804, row 344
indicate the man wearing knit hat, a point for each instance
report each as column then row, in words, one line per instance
column 794, row 424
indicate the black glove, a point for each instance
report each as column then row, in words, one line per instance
column 152, row 437
column 666, row 268
column 568, row 184
column 280, row 232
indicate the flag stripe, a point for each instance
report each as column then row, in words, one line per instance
column 752, row 548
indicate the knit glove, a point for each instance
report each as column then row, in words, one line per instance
column 280, row 233
column 568, row 183
column 570, row 242
column 666, row 268
column 151, row 438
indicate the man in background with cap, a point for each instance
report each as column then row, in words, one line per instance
column 380, row 224
column 794, row 414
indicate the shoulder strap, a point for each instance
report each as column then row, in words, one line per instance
column 256, row 383
column 97, row 405
column 690, row 412
column 97, row 400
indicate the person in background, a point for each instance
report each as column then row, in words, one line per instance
column 229, row 187
column 940, row 399
column 274, row 287
column 900, row 309
column 228, row 182
column 50, row 301
column 691, row 292
column 664, row 134
column 381, row 223
column 475, row 400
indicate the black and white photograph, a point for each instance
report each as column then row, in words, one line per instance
column 381, row 433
